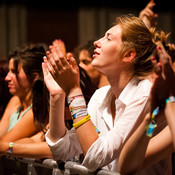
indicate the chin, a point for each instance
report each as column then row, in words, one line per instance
column 12, row 92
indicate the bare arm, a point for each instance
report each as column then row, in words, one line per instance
column 133, row 153
column 24, row 128
column 140, row 151
column 57, row 103
column 11, row 107
column 68, row 70
column 170, row 116
column 39, row 137
column 29, row 150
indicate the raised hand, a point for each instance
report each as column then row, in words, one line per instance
column 148, row 16
column 51, row 84
column 59, row 43
column 64, row 70
column 164, row 85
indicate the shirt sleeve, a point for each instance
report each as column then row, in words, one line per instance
column 108, row 146
column 65, row 148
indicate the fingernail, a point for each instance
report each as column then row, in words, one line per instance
column 153, row 58
column 159, row 48
column 70, row 54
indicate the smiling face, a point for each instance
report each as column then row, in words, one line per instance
column 17, row 86
column 107, row 52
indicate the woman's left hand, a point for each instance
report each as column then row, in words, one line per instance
column 64, row 70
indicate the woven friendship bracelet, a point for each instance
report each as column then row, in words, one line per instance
column 77, row 106
column 10, row 148
column 170, row 99
column 70, row 99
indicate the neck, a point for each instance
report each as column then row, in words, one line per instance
column 103, row 81
column 119, row 81
column 26, row 100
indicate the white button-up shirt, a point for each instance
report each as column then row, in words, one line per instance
column 131, row 107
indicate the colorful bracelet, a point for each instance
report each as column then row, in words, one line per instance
column 77, row 106
column 153, row 124
column 170, row 100
column 10, row 148
column 81, row 122
column 70, row 99
column 98, row 132
column 79, row 113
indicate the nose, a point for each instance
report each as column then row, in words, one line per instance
column 96, row 43
column 8, row 77
column 81, row 65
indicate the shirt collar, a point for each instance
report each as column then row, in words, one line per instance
column 128, row 91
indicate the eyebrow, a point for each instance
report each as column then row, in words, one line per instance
column 109, row 34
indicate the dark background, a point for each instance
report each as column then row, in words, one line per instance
column 48, row 20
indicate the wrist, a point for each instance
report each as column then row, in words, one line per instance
column 169, row 108
column 10, row 150
column 74, row 92
column 57, row 93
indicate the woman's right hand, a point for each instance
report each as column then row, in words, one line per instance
column 51, row 84
column 164, row 85
column 148, row 16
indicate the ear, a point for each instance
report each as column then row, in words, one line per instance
column 129, row 55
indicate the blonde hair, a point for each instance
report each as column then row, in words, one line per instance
column 136, row 35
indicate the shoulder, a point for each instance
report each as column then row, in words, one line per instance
column 12, row 105
column 14, row 101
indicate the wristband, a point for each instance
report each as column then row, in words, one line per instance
column 79, row 113
column 10, row 148
column 81, row 122
column 77, row 106
column 70, row 99
column 170, row 99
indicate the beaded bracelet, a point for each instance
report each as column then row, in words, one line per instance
column 10, row 148
column 153, row 124
column 81, row 122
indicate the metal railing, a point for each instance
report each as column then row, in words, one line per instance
column 24, row 166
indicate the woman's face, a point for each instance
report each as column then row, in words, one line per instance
column 107, row 55
column 85, row 63
column 16, row 86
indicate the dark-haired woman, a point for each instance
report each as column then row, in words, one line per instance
column 24, row 70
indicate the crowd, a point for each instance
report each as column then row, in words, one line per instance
column 111, row 100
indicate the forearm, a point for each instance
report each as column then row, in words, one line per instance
column 39, row 137
column 133, row 153
column 28, row 150
column 86, row 133
column 25, row 140
column 56, row 120
column 170, row 116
